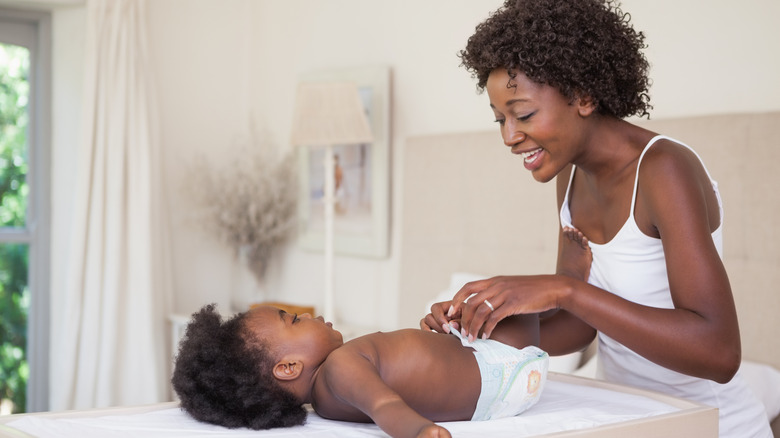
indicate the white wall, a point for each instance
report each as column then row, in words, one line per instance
column 277, row 42
column 711, row 57
column 223, row 63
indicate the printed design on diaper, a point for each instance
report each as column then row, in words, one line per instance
column 511, row 371
column 534, row 382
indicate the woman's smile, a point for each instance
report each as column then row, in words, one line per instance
column 532, row 158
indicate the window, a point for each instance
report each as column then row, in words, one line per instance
column 24, row 209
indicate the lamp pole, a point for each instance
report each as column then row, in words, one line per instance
column 328, row 114
column 330, row 200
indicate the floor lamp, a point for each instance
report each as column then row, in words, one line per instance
column 329, row 114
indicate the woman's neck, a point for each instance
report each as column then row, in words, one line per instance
column 613, row 146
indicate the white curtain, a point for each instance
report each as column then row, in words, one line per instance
column 109, row 336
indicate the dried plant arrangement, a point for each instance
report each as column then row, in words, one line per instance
column 248, row 203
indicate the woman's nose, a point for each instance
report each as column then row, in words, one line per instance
column 514, row 137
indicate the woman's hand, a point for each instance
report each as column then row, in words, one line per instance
column 438, row 320
column 480, row 305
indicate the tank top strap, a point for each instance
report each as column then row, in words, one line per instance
column 651, row 143
column 636, row 177
column 568, row 186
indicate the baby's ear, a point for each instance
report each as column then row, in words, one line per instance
column 288, row 369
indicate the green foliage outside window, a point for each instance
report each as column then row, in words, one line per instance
column 14, row 294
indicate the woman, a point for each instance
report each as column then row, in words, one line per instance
column 561, row 77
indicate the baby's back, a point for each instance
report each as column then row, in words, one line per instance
column 432, row 372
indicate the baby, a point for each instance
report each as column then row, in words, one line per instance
column 259, row 368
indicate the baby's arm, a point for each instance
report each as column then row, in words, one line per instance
column 354, row 380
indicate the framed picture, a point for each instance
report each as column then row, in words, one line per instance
column 361, row 176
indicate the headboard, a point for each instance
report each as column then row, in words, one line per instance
column 470, row 206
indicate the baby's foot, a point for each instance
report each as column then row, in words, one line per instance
column 576, row 256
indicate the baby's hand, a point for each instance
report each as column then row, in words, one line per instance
column 434, row 431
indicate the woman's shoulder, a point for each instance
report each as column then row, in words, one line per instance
column 668, row 159
column 673, row 182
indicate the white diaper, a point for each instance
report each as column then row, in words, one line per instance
column 512, row 379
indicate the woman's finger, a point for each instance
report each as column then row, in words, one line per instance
column 464, row 293
column 437, row 320
column 475, row 314
column 427, row 323
column 493, row 319
column 440, row 316
column 481, row 313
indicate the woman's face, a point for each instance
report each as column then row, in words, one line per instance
column 539, row 123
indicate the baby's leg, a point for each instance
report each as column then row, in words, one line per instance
column 518, row 331
column 576, row 256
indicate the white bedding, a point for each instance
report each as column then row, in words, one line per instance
column 563, row 406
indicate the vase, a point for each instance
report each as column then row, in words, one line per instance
column 247, row 286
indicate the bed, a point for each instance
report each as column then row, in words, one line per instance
column 570, row 406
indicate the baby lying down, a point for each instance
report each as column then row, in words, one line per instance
column 260, row 367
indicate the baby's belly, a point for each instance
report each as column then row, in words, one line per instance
column 440, row 380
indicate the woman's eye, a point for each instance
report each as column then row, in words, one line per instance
column 500, row 121
column 526, row 117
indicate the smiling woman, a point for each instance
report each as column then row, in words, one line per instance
column 642, row 208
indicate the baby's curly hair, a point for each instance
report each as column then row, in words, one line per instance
column 580, row 47
column 223, row 375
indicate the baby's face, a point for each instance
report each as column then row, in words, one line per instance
column 311, row 338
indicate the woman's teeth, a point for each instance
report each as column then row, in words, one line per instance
column 529, row 156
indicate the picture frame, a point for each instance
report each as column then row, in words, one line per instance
column 361, row 219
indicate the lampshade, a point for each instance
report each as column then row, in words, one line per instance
column 329, row 113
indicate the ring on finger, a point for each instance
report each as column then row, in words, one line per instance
column 487, row 303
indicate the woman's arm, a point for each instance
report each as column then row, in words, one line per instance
column 560, row 332
column 699, row 337
column 564, row 333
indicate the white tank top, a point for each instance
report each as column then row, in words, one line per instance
column 632, row 265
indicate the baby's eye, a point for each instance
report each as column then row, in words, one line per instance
column 295, row 318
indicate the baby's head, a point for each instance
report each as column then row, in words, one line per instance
column 239, row 372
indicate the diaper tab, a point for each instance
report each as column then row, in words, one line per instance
column 463, row 339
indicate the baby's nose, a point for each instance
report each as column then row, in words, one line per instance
column 305, row 315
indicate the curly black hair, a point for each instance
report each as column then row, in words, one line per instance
column 580, row 47
column 223, row 375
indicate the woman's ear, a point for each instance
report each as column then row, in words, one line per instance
column 288, row 369
column 586, row 105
